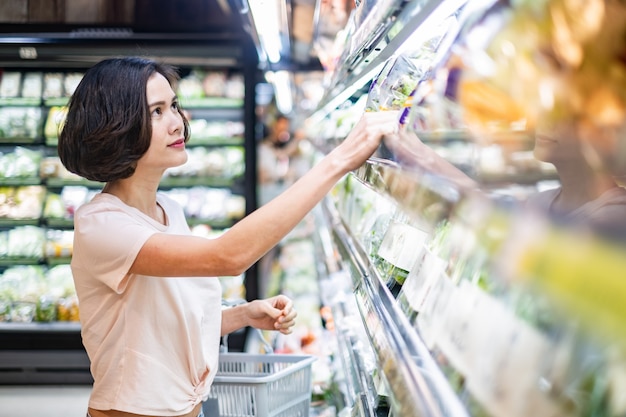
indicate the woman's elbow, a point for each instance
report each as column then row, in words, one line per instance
column 231, row 258
column 234, row 265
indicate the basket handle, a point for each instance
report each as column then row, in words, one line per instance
column 256, row 332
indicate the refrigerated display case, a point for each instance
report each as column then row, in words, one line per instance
column 473, row 297
column 39, row 314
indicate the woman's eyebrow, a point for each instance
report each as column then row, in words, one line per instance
column 162, row 102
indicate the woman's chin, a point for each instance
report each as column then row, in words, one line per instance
column 541, row 154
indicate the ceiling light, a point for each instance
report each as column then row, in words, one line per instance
column 266, row 16
column 281, row 80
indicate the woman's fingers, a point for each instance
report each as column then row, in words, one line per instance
column 365, row 137
column 286, row 321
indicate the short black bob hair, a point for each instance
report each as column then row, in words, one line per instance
column 108, row 126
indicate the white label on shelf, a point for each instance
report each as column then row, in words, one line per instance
column 506, row 356
column 617, row 380
column 454, row 336
column 434, row 309
column 421, row 277
column 402, row 245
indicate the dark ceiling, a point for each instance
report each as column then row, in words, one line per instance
column 162, row 16
column 220, row 22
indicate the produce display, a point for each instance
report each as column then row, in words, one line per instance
column 23, row 242
column 457, row 265
column 19, row 122
column 207, row 132
column 54, row 122
column 21, row 202
column 547, row 61
column 221, row 162
column 20, row 162
column 200, row 83
column 206, row 203
column 520, row 308
column 10, row 84
column 38, row 196
column 35, row 293
column 391, row 88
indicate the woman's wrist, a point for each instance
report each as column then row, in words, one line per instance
column 335, row 165
column 245, row 314
column 235, row 318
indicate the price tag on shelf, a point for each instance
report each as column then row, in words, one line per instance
column 617, row 380
column 422, row 276
column 402, row 245
column 506, row 356
column 455, row 328
column 434, row 309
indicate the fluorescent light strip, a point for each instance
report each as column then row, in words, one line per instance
column 281, row 80
column 265, row 14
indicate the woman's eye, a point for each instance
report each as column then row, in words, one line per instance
column 156, row 111
column 175, row 105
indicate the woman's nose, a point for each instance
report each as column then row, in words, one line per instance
column 176, row 121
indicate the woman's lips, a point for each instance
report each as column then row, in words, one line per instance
column 179, row 143
column 545, row 139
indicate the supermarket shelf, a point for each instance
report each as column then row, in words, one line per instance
column 59, row 223
column 429, row 197
column 43, row 353
column 171, row 182
column 359, row 380
column 212, row 102
column 216, row 141
column 6, row 222
column 353, row 347
column 53, row 327
column 61, row 182
column 416, row 384
column 12, row 261
column 362, row 64
column 44, row 367
column 213, row 223
column 56, row 101
column 17, row 182
column 20, row 101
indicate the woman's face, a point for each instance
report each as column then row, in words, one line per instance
column 557, row 143
column 281, row 131
column 167, row 145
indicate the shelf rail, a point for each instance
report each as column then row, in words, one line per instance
column 404, row 359
column 365, row 63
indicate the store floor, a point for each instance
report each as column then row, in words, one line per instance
column 44, row 401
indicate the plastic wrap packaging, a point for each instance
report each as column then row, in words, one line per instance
column 392, row 87
column 548, row 62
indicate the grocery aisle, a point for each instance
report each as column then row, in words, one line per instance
column 44, row 401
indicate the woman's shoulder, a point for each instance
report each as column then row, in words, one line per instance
column 615, row 194
column 611, row 203
column 101, row 202
column 103, row 209
column 167, row 202
column 543, row 199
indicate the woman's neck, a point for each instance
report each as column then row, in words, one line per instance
column 140, row 195
column 580, row 185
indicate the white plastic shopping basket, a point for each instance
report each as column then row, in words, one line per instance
column 260, row 385
column 266, row 385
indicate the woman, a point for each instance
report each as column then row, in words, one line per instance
column 151, row 316
column 275, row 151
column 588, row 193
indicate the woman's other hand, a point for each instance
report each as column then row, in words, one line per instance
column 275, row 313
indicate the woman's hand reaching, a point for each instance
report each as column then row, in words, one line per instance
column 275, row 313
column 364, row 138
